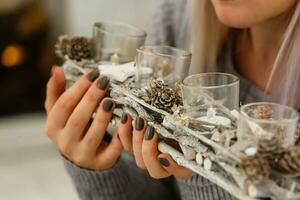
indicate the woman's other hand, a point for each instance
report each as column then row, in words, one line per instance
column 69, row 123
column 143, row 142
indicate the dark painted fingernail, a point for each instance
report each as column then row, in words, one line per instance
column 93, row 75
column 164, row 162
column 124, row 118
column 139, row 124
column 103, row 83
column 107, row 137
column 107, row 105
column 149, row 133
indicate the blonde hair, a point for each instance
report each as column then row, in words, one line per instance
column 209, row 41
column 209, row 35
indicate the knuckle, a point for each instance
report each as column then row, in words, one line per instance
column 66, row 103
column 65, row 148
column 76, row 122
column 49, row 131
column 91, row 141
column 92, row 96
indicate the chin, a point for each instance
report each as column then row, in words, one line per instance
column 235, row 18
column 235, row 22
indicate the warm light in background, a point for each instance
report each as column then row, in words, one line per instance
column 12, row 55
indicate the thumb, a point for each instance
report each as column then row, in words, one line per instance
column 55, row 87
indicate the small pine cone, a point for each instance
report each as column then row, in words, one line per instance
column 80, row 48
column 62, row 46
column 154, row 87
column 165, row 99
column 256, row 168
column 289, row 162
column 271, row 148
column 157, row 84
column 262, row 112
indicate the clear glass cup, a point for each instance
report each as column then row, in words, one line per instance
column 266, row 121
column 202, row 93
column 117, row 41
column 161, row 62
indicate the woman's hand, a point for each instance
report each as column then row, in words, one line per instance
column 69, row 123
column 143, row 143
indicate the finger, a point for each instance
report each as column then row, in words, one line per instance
column 95, row 134
column 173, row 168
column 125, row 131
column 66, row 103
column 150, row 154
column 86, row 107
column 137, row 141
column 107, row 157
column 55, row 87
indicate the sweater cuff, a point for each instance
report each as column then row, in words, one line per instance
column 100, row 181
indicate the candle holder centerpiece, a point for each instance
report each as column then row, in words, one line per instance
column 117, row 42
column 251, row 153
column 204, row 95
column 161, row 62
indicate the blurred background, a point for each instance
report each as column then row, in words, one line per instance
column 30, row 167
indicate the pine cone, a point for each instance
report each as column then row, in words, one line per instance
column 62, row 46
column 262, row 112
column 165, row 99
column 154, row 87
column 161, row 96
column 80, row 48
column 271, row 148
column 157, row 84
column 289, row 162
column 256, row 168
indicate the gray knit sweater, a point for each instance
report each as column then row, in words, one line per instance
column 125, row 181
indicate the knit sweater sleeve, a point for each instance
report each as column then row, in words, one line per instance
column 122, row 182
column 198, row 187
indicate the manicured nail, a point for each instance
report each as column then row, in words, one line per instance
column 139, row 124
column 93, row 75
column 107, row 105
column 107, row 137
column 103, row 82
column 164, row 162
column 124, row 118
column 149, row 133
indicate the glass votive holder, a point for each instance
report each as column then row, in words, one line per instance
column 268, row 121
column 117, row 42
column 161, row 62
column 204, row 93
